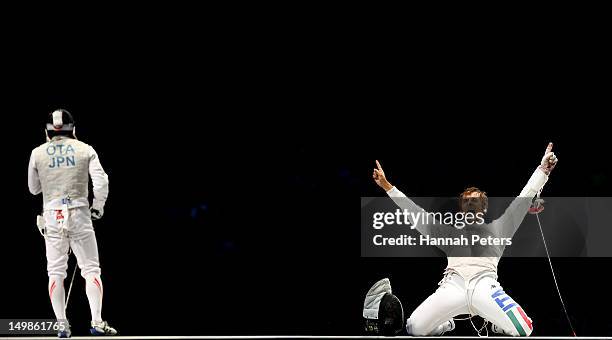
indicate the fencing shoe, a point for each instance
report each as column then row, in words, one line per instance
column 64, row 333
column 102, row 328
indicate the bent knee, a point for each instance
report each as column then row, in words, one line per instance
column 525, row 332
column 417, row 328
column 521, row 324
column 529, row 330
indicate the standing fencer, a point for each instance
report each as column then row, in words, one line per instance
column 470, row 284
column 60, row 169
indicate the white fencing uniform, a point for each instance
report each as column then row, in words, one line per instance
column 470, row 283
column 61, row 169
column 79, row 236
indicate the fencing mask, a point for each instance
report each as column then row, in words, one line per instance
column 382, row 310
column 60, row 122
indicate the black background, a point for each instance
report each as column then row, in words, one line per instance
column 236, row 162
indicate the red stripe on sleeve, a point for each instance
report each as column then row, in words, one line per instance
column 527, row 321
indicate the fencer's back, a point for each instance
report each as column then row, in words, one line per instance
column 63, row 168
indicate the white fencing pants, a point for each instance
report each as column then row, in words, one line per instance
column 482, row 296
column 72, row 229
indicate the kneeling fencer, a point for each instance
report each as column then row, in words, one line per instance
column 60, row 169
column 469, row 285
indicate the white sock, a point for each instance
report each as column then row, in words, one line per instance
column 94, row 290
column 57, row 295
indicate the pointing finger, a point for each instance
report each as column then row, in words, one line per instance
column 549, row 147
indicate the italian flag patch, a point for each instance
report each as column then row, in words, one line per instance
column 521, row 322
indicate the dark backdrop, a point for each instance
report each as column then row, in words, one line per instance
column 235, row 177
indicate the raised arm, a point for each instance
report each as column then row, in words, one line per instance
column 509, row 222
column 407, row 204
